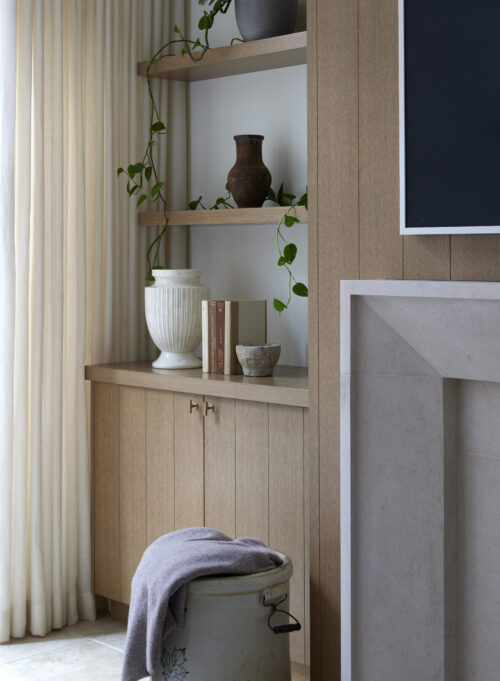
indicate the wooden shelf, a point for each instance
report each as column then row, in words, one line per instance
column 288, row 386
column 232, row 60
column 229, row 216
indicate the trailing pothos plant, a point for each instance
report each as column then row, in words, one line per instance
column 287, row 252
column 143, row 179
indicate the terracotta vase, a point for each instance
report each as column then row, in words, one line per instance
column 249, row 179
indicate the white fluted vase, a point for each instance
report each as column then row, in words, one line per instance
column 173, row 316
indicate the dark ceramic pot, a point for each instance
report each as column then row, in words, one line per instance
column 259, row 19
column 249, row 179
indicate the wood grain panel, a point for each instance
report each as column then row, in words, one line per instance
column 286, row 505
column 313, row 345
column 381, row 247
column 252, row 470
column 220, row 465
column 189, row 465
column 427, row 257
column 106, row 488
column 338, row 249
column 230, row 60
column 133, row 540
column 307, row 532
column 159, row 463
column 287, row 385
column 475, row 257
column 237, row 216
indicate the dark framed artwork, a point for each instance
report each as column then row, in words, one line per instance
column 449, row 93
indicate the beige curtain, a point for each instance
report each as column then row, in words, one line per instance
column 76, row 293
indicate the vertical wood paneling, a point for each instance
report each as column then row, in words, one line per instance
column 427, row 257
column 189, row 467
column 313, row 346
column 338, row 258
column 307, row 532
column 220, row 465
column 106, row 488
column 286, row 505
column 381, row 247
column 160, row 463
column 252, row 470
column 475, row 258
column 133, row 540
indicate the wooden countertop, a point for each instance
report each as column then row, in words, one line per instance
column 288, row 386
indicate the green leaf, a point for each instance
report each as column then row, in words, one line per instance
column 278, row 305
column 141, row 199
column 148, row 172
column 290, row 220
column 281, row 261
column 219, row 201
column 177, row 29
column 131, row 171
column 202, row 2
column 183, row 51
column 120, row 171
column 289, row 252
column 149, row 275
column 138, row 167
column 290, row 197
column 156, row 188
column 205, row 22
column 271, row 195
column 227, row 187
column 302, row 201
column 280, row 195
column 156, row 127
column 300, row 290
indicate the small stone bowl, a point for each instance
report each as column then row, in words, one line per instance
column 258, row 360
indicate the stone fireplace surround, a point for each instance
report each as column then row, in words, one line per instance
column 420, row 481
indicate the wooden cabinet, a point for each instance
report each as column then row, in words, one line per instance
column 165, row 459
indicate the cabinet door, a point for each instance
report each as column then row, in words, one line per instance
column 188, row 429
column 106, row 489
column 220, row 511
column 133, row 480
column 133, row 493
column 287, row 506
column 252, row 470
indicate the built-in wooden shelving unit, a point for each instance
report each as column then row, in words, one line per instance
column 232, row 60
column 288, row 385
column 236, row 216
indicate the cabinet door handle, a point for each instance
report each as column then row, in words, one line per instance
column 207, row 407
column 192, row 406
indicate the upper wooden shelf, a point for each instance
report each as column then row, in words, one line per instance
column 229, row 216
column 232, row 60
column 288, row 385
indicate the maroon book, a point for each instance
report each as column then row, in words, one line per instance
column 219, row 333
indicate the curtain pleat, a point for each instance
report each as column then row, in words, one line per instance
column 73, row 278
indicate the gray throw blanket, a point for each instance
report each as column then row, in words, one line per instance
column 159, row 586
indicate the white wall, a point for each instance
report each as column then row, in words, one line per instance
column 240, row 261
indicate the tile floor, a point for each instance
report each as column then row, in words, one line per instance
column 88, row 650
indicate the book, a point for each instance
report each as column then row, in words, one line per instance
column 212, row 338
column 204, row 335
column 245, row 323
column 219, row 336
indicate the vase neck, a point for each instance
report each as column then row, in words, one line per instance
column 248, row 149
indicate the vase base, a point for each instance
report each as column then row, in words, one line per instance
column 177, row 360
